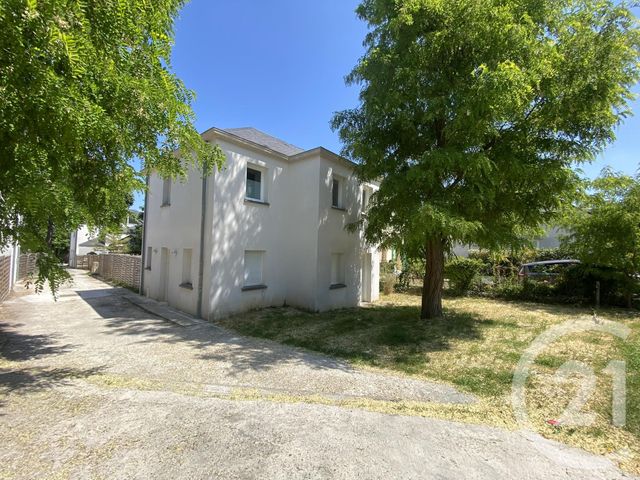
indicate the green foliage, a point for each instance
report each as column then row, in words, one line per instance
column 472, row 114
column 387, row 277
column 507, row 262
column 85, row 88
column 387, row 268
column 531, row 291
column 605, row 226
column 135, row 237
column 463, row 274
column 575, row 285
column 412, row 272
column 580, row 281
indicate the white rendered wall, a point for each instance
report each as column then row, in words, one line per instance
column 283, row 228
column 297, row 229
column 175, row 227
column 333, row 237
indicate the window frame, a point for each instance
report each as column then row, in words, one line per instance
column 187, row 271
column 367, row 192
column 259, row 283
column 341, row 192
column 337, row 271
column 263, row 191
column 166, row 192
column 336, row 202
column 148, row 258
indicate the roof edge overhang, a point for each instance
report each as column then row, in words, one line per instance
column 214, row 133
column 324, row 153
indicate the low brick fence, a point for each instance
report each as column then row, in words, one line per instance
column 27, row 265
column 5, row 277
column 123, row 269
column 82, row 261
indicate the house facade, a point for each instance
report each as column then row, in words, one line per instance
column 268, row 229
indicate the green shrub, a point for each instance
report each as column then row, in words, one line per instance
column 388, row 277
column 387, row 267
column 580, row 281
column 412, row 272
column 508, row 289
column 387, row 283
column 463, row 274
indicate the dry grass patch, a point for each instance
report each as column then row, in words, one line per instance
column 476, row 348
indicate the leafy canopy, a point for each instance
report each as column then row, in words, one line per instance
column 605, row 223
column 85, row 88
column 472, row 112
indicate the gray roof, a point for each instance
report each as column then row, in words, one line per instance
column 261, row 138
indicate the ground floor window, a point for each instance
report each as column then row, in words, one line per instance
column 253, row 268
column 337, row 270
column 187, row 282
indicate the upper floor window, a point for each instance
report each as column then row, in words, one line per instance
column 166, row 192
column 148, row 258
column 255, row 185
column 337, row 194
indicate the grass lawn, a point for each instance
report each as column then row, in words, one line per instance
column 476, row 348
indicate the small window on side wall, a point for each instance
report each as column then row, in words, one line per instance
column 166, row 192
column 253, row 269
column 337, row 270
column 148, row 259
column 336, row 192
column 255, row 186
column 366, row 197
column 187, row 282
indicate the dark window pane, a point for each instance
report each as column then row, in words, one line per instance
column 254, row 179
column 335, row 194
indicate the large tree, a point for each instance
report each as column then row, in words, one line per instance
column 472, row 113
column 605, row 226
column 85, row 88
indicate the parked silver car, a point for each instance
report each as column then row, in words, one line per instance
column 548, row 270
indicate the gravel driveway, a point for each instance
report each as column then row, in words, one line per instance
column 96, row 386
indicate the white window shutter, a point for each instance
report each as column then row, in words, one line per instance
column 253, row 261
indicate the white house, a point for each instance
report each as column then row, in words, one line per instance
column 84, row 241
column 266, row 230
column 550, row 239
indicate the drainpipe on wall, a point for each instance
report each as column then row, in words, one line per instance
column 201, row 256
column 144, row 237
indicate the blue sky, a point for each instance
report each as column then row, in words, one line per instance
column 279, row 66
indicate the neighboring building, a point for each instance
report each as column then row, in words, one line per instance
column 9, row 260
column 268, row 229
column 85, row 241
column 551, row 239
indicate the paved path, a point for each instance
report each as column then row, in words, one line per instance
column 97, row 386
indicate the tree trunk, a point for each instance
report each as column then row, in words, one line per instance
column 433, row 279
